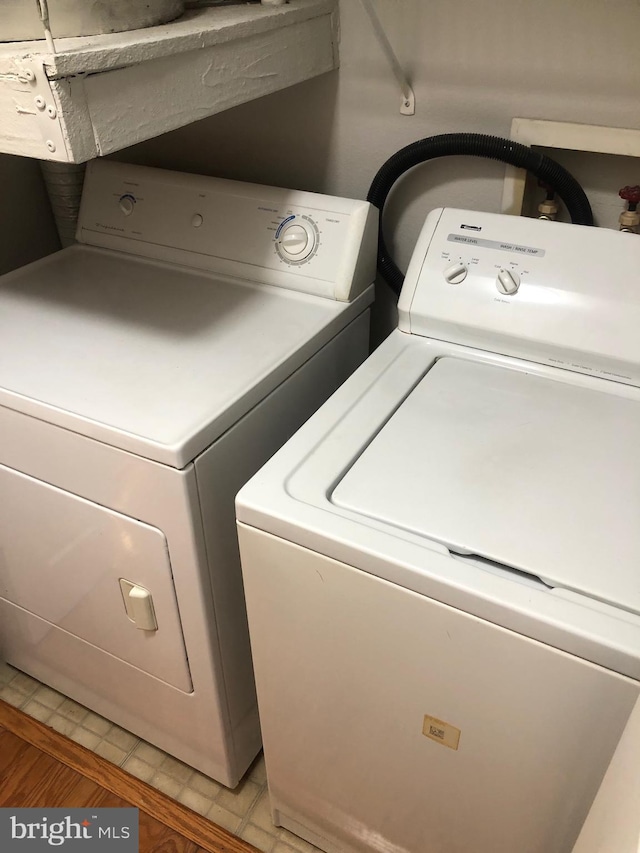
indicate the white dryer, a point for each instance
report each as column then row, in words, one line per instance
column 441, row 566
column 145, row 374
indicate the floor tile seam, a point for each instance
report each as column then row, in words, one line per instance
column 80, row 726
column 88, row 731
column 153, row 769
column 212, row 797
column 180, row 792
column 105, row 736
column 246, row 819
column 37, row 701
column 32, row 687
column 185, row 785
column 25, row 697
column 129, row 754
column 274, row 838
column 272, row 846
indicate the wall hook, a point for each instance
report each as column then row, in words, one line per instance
column 408, row 102
column 43, row 11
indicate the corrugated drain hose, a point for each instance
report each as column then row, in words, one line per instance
column 475, row 145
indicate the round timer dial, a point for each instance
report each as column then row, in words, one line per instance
column 297, row 239
column 127, row 203
column 294, row 240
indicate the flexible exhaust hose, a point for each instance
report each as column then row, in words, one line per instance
column 475, row 145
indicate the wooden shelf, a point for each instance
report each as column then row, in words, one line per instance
column 99, row 94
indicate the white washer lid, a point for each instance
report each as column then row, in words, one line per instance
column 146, row 356
column 539, row 475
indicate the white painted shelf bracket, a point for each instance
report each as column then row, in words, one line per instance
column 40, row 103
column 408, row 101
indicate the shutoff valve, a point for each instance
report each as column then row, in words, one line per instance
column 548, row 209
column 630, row 218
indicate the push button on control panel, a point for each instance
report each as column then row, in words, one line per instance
column 456, row 273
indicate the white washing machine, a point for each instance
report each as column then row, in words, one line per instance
column 441, row 566
column 145, row 374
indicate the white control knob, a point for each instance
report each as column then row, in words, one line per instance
column 508, row 281
column 127, row 203
column 196, row 220
column 294, row 240
column 456, row 273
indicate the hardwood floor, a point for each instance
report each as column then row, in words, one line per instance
column 41, row 768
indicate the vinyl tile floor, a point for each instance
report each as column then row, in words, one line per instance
column 243, row 811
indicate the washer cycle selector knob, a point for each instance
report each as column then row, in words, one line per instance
column 456, row 273
column 294, row 240
column 508, row 281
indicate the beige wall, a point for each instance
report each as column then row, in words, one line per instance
column 27, row 229
column 474, row 65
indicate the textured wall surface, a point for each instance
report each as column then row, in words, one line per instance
column 473, row 65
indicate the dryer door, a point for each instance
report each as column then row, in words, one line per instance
column 62, row 559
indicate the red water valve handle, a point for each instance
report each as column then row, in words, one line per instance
column 630, row 194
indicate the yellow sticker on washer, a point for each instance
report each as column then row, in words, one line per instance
column 441, row 732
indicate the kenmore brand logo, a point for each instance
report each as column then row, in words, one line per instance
column 114, row 830
column 472, row 227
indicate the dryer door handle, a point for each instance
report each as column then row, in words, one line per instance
column 138, row 603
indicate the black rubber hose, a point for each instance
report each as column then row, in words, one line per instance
column 475, row 145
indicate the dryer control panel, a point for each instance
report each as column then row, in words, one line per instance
column 302, row 241
column 565, row 295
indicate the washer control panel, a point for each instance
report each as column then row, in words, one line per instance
column 547, row 291
column 303, row 241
